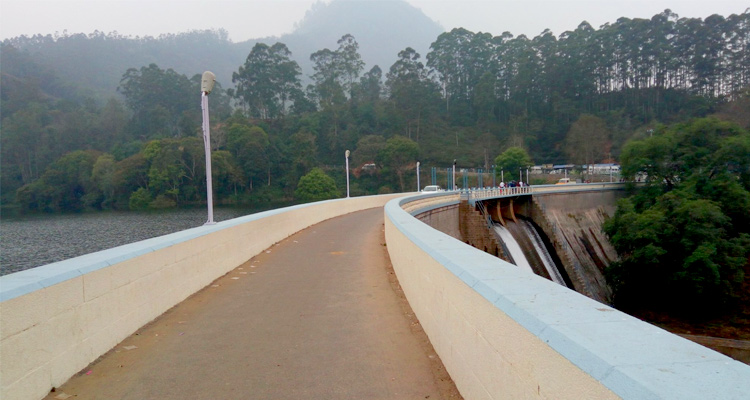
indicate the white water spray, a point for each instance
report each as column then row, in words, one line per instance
column 513, row 247
column 549, row 265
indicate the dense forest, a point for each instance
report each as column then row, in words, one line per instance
column 577, row 97
column 683, row 238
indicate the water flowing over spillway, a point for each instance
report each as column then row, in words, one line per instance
column 549, row 265
column 519, row 259
column 528, row 251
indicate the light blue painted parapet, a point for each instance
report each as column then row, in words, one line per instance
column 58, row 318
column 30, row 280
column 472, row 302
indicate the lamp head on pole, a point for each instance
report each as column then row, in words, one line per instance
column 347, row 154
column 207, row 82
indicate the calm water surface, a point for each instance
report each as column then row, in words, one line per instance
column 30, row 241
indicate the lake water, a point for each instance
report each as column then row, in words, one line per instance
column 30, row 241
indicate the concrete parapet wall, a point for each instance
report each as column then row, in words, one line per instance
column 427, row 202
column 504, row 333
column 438, row 210
column 445, row 219
column 58, row 318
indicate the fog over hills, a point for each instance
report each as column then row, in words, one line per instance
column 95, row 62
column 382, row 29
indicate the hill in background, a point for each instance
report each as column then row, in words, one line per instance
column 93, row 64
column 382, row 29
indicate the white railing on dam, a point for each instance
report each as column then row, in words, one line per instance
column 503, row 333
column 58, row 318
column 495, row 192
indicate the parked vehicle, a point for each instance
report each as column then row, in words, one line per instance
column 564, row 181
column 432, row 188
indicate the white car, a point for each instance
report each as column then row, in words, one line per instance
column 431, row 188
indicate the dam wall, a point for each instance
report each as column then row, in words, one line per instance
column 504, row 333
column 440, row 211
column 572, row 222
column 58, row 318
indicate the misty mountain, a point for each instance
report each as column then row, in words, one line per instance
column 93, row 64
column 382, row 29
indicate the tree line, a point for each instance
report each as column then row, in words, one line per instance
column 578, row 96
column 684, row 238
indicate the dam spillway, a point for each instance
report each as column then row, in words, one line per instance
column 512, row 248
column 568, row 222
column 528, row 250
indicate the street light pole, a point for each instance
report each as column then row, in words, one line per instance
column 207, row 84
column 453, row 182
column 347, row 173
column 418, row 186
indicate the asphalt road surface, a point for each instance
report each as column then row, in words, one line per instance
column 319, row 315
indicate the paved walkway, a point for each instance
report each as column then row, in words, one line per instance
column 317, row 316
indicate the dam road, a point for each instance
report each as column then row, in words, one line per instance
column 317, row 316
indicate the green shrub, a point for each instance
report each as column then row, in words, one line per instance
column 140, row 199
column 316, row 186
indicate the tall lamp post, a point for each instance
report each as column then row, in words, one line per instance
column 207, row 85
column 418, row 176
column 453, row 180
column 347, row 173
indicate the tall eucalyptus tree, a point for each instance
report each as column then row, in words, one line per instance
column 334, row 78
column 159, row 99
column 268, row 81
column 460, row 58
column 412, row 91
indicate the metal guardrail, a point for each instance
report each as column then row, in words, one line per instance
column 495, row 192
column 485, row 214
column 486, row 193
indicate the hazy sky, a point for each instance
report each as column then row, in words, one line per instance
column 250, row 19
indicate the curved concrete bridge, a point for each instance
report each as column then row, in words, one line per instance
column 319, row 319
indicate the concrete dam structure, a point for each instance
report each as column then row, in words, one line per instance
column 500, row 332
column 493, row 324
column 559, row 233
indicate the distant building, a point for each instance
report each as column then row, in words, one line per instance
column 561, row 168
column 602, row 168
